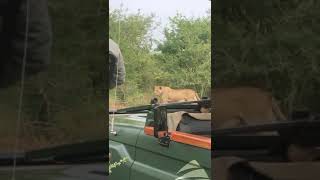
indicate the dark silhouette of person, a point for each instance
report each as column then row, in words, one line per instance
column 117, row 70
column 25, row 36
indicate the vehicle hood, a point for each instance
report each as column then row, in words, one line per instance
column 127, row 127
column 134, row 120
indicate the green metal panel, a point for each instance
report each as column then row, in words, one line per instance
column 119, row 151
column 122, row 145
column 155, row 162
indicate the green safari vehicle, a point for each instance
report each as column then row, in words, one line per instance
column 161, row 142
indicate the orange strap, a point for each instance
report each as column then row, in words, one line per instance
column 185, row 138
column 191, row 139
column 148, row 130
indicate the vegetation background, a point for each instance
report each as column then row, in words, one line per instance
column 66, row 104
column 181, row 60
column 273, row 44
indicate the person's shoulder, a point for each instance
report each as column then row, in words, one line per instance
column 113, row 47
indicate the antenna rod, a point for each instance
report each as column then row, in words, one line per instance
column 112, row 131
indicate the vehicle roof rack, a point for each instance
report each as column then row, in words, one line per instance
column 136, row 109
column 174, row 105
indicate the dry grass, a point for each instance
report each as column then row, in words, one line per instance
column 82, row 122
column 133, row 100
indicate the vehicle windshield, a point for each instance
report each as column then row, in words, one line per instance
column 66, row 103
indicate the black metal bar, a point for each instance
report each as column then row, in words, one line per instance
column 136, row 109
column 276, row 126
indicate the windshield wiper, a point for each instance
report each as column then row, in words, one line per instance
column 84, row 152
column 7, row 158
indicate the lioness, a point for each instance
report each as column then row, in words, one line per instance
column 233, row 107
column 168, row 94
